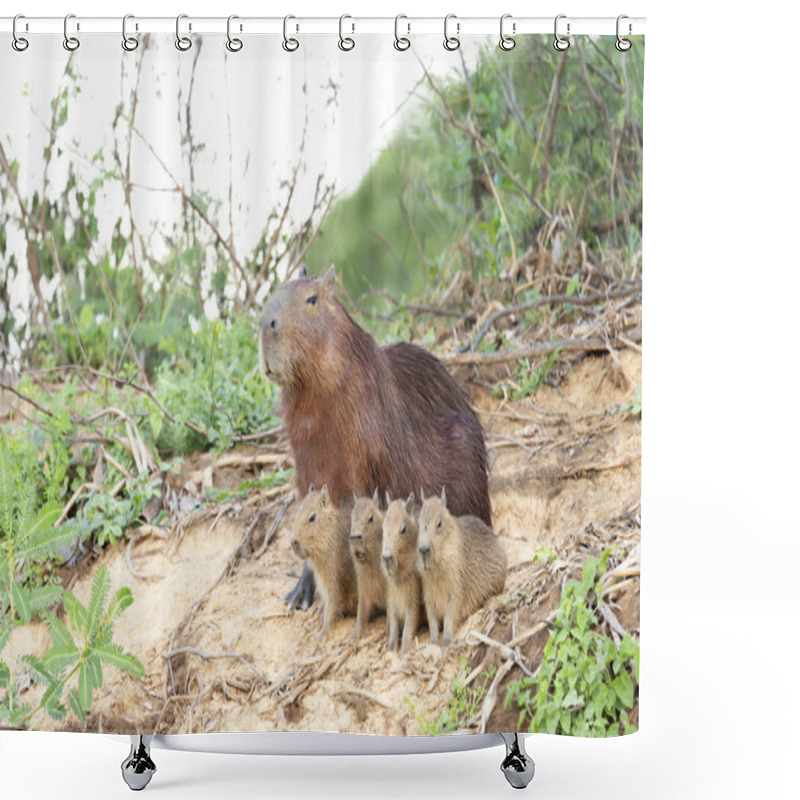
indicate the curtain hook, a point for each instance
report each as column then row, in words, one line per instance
column 623, row 45
column 345, row 42
column 290, row 44
column 451, row 42
column 233, row 44
column 507, row 42
column 560, row 43
column 129, row 43
column 401, row 42
column 71, row 43
column 183, row 43
column 19, row 43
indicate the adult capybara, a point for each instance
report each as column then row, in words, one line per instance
column 361, row 416
column 366, row 547
column 461, row 562
column 321, row 537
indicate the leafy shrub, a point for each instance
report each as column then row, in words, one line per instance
column 586, row 685
column 214, row 383
column 74, row 664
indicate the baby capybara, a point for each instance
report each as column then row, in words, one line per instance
column 366, row 545
column 462, row 564
column 359, row 415
column 403, row 589
column 321, row 536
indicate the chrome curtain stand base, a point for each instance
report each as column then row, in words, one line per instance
column 517, row 766
column 138, row 768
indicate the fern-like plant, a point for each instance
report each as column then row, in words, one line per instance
column 74, row 664
column 28, row 538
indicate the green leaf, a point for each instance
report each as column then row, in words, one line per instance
column 57, row 658
column 97, row 601
column 43, row 597
column 58, row 631
column 119, row 602
column 84, row 687
column 19, row 598
column 37, row 670
column 623, row 686
column 5, row 675
column 75, row 702
column 114, row 655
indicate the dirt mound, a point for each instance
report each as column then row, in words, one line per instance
column 221, row 653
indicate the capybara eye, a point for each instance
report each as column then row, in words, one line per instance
column 439, row 524
column 312, row 517
column 312, row 301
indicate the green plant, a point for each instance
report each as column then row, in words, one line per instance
column 74, row 664
column 464, row 703
column 634, row 405
column 586, row 685
column 28, row 535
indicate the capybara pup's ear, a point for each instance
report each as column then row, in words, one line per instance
column 422, row 495
column 444, row 498
column 324, row 496
column 376, row 497
column 388, row 498
column 410, row 502
column 311, row 488
column 303, row 271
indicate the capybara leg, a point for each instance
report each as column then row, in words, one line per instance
column 302, row 596
column 393, row 630
column 410, row 627
column 363, row 614
column 433, row 624
column 449, row 620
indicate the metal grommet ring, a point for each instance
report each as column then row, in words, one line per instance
column 507, row 42
column 401, row 43
column 129, row 43
column 451, row 42
column 71, row 43
column 560, row 43
column 290, row 44
column 183, row 43
column 233, row 44
column 623, row 45
column 19, row 43
column 346, row 43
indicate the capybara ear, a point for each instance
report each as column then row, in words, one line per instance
column 328, row 279
column 355, row 497
column 410, row 502
column 303, row 271
column 388, row 498
column 422, row 495
column 323, row 495
column 376, row 498
column 444, row 498
column 311, row 488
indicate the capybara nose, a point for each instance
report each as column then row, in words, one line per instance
column 356, row 537
column 388, row 558
column 424, row 549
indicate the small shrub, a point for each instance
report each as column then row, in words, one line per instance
column 586, row 685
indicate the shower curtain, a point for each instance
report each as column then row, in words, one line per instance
column 320, row 382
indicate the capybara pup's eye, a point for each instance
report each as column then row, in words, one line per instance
column 312, row 301
column 312, row 517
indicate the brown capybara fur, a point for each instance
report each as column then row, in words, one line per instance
column 366, row 546
column 359, row 415
column 321, row 536
column 461, row 562
column 399, row 562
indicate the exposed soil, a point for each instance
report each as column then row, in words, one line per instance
column 565, row 474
